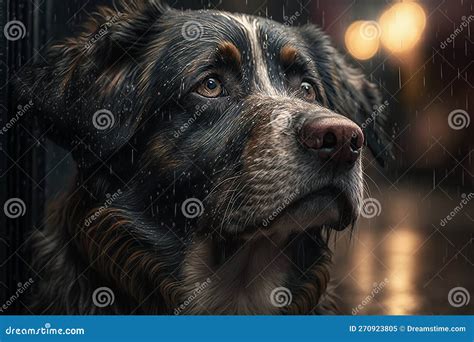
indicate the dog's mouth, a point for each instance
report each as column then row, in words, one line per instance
column 328, row 207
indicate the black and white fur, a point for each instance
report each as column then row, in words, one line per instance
column 238, row 155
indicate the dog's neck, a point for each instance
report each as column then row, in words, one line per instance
column 238, row 284
column 201, row 278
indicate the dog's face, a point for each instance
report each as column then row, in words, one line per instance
column 260, row 116
column 252, row 118
column 216, row 127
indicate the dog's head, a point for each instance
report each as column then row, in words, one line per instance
column 254, row 124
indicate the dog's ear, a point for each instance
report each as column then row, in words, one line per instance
column 348, row 92
column 87, row 89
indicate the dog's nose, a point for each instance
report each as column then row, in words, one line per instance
column 334, row 138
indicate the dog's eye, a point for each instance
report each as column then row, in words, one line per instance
column 308, row 91
column 211, row 87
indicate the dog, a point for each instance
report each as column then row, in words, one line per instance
column 216, row 153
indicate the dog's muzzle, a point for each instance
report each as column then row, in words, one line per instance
column 336, row 139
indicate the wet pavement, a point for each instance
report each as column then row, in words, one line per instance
column 408, row 258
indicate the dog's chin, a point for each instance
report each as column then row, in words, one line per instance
column 328, row 208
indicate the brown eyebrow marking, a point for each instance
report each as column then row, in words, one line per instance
column 288, row 54
column 229, row 53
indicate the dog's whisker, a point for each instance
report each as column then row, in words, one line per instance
column 243, row 172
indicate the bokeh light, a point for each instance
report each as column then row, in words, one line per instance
column 402, row 26
column 362, row 39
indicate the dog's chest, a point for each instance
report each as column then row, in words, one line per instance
column 243, row 284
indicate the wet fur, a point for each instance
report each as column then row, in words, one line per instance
column 232, row 157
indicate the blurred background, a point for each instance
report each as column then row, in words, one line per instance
column 412, row 251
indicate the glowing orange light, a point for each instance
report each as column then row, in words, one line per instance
column 362, row 39
column 402, row 26
column 400, row 296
